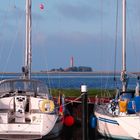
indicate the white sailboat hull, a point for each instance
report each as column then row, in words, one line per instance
column 120, row 127
column 44, row 124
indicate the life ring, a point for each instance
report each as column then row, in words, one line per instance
column 47, row 106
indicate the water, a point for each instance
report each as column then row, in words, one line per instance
column 91, row 80
column 69, row 80
column 75, row 133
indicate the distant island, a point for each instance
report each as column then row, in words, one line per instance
column 73, row 69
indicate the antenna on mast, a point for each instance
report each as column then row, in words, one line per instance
column 27, row 66
column 123, row 73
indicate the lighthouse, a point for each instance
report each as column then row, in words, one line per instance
column 72, row 62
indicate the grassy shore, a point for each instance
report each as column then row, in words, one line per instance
column 77, row 93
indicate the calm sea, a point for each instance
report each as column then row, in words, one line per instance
column 73, row 80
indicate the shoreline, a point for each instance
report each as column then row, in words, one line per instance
column 75, row 73
column 57, row 72
column 19, row 74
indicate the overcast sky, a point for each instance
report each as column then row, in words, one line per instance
column 84, row 29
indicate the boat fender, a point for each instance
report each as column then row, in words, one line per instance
column 123, row 106
column 47, row 106
column 69, row 120
column 93, row 121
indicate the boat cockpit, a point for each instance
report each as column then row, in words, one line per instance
column 12, row 87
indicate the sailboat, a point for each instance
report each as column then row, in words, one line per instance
column 27, row 109
column 120, row 118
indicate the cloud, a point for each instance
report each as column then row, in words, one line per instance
column 78, row 12
column 39, row 39
column 70, row 39
column 17, row 13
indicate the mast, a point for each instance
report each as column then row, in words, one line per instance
column 27, row 66
column 123, row 73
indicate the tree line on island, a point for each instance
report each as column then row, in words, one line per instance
column 73, row 69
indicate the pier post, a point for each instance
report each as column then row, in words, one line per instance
column 84, row 112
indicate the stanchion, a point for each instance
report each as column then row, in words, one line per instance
column 84, row 112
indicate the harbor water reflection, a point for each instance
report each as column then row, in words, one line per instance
column 74, row 133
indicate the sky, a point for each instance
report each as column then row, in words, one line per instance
column 84, row 29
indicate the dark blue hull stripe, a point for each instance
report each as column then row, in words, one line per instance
column 108, row 120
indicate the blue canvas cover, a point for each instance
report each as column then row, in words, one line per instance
column 131, row 107
column 137, row 103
